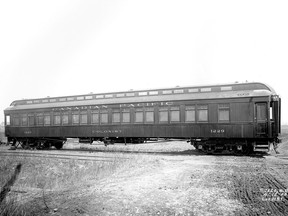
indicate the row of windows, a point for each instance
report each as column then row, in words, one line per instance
column 128, row 94
column 123, row 116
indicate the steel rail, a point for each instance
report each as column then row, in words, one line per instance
column 59, row 156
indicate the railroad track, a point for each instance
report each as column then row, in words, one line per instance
column 285, row 157
column 59, row 155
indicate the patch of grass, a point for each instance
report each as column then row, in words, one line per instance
column 283, row 146
column 49, row 175
column 149, row 147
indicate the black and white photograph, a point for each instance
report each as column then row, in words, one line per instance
column 126, row 107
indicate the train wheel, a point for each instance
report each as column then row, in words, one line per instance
column 43, row 145
column 210, row 149
column 238, row 152
column 248, row 149
column 58, row 145
column 25, row 144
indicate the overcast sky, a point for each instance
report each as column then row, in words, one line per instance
column 59, row 48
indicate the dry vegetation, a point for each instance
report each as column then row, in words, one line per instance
column 40, row 177
column 2, row 134
column 283, row 147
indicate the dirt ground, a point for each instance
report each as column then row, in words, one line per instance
column 180, row 183
column 175, row 179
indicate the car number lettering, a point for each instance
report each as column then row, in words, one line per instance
column 217, row 131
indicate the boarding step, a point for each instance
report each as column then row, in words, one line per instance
column 261, row 146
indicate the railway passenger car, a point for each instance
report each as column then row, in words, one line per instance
column 238, row 117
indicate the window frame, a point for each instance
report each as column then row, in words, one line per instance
column 96, row 113
column 8, row 120
column 31, row 116
column 104, row 112
column 125, row 111
column 75, row 118
column 163, row 110
column 24, row 116
column 82, row 114
column 202, row 108
column 139, row 110
column 39, row 119
column 56, row 114
column 224, row 107
column 149, row 110
column 174, row 109
column 65, row 118
column 191, row 108
column 116, row 113
column 47, row 115
column 16, row 120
